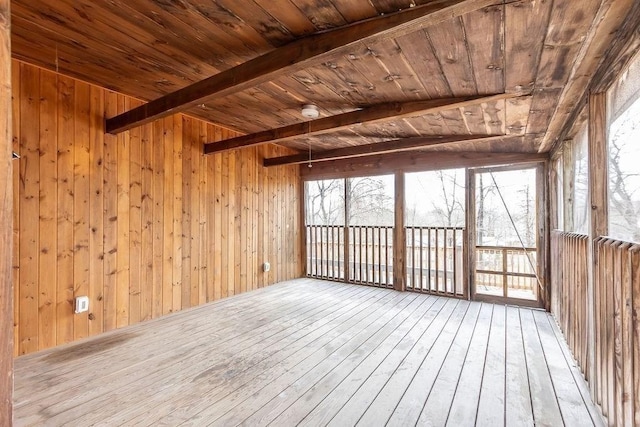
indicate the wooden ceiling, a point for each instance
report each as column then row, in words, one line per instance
column 544, row 49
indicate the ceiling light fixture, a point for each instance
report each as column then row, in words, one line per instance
column 310, row 111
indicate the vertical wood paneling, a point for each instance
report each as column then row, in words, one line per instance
column 194, row 208
column 236, row 192
column 231, row 224
column 142, row 222
column 110, row 219
column 208, row 202
column 64, row 279
column 81, row 205
column 224, row 224
column 124, row 205
column 220, row 290
column 186, row 214
column 15, row 105
column 169, row 223
column 244, row 216
column 176, row 292
column 29, row 208
column 47, row 225
column 146, row 211
column 96, row 217
column 157, row 196
column 135, row 222
column 205, row 289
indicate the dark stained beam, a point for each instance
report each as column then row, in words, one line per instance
column 393, row 146
column 372, row 114
column 293, row 57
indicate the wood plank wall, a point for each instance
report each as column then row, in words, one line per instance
column 141, row 222
column 6, row 206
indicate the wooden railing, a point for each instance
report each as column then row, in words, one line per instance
column 371, row 255
column 435, row 260
column 569, row 292
column 614, row 378
column 434, row 256
column 370, row 252
column 511, row 271
column 617, row 349
column 325, row 251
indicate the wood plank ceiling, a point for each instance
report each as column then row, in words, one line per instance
column 147, row 49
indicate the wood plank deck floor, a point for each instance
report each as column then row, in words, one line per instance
column 310, row 352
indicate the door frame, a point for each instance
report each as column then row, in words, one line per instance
column 541, row 234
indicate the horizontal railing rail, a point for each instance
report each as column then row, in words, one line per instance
column 510, row 270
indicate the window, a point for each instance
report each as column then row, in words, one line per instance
column 325, row 202
column 436, row 198
column 371, row 200
column 624, row 155
column 581, row 182
column 559, row 193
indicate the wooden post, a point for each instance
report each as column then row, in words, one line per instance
column 347, row 239
column 399, row 236
column 553, row 191
column 304, row 208
column 543, row 238
column 470, row 240
column 599, row 209
column 6, row 220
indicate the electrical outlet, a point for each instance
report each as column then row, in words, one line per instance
column 82, row 304
column 266, row 267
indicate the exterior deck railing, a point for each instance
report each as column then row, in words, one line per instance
column 507, row 271
column 434, row 256
column 435, row 260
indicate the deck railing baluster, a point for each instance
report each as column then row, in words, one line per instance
column 371, row 264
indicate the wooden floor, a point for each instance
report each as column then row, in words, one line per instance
column 309, row 352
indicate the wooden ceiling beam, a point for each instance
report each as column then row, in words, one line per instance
column 415, row 161
column 392, row 146
column 373, row 114
column 293, row 57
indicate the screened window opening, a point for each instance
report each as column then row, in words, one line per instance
column 624, row 155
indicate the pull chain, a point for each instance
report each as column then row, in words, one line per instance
column 309, row 143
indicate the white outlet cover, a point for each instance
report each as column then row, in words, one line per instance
column 82, row 304
column 266, row 267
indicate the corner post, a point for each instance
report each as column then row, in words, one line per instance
column 399, row 235
column 6, row 220
column 598, row 225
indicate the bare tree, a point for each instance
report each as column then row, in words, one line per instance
column 369, row 202
column 452, row 211
column 325, row 202
column 482, row 192
column 527, row 216
column 624, row 208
